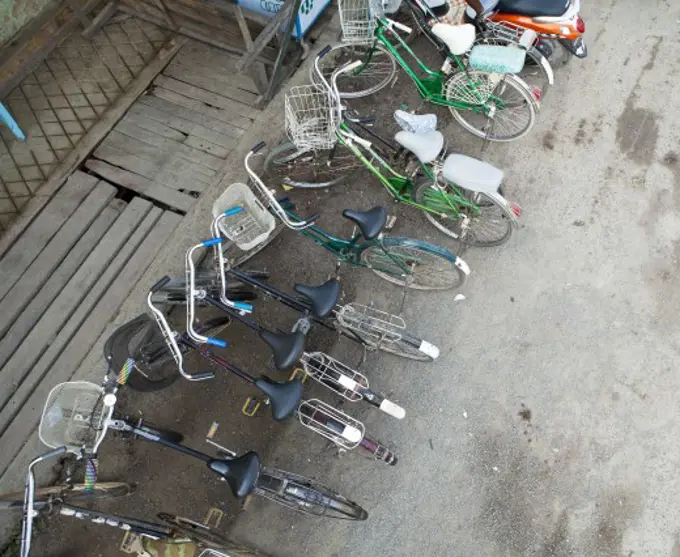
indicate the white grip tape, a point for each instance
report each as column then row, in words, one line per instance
column 352, row 434
column 349, row 67
column 430, row 349
column 348, row 382
column 392, row 409
column 400, row 26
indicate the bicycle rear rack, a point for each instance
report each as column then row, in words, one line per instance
column 343, row 430
column 334, row 375
column 378, row 325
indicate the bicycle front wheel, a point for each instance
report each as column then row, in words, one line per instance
column 74, row 493
column 505, row 108
column 415, row 264
column 482, row 221
column 297, row 168
column 374, row 74
column 306, row 495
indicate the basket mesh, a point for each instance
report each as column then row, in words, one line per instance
column 73, row 416
column 357, row 18
column 310, row 118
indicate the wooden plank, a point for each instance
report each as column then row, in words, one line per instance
column 211, row 61
column 106, row 298
column 18, row 376
column 168, row 114
column 58, row 279
column 217, row 86
column 217, row 119
column 207, row 146
column 213, row 73
column 101, row 19
column 91, row 139
column 59, row 246
column 147, row 169
column 143, row 186
column 169, row 146
column 36, row 237
column 138, row 119
column 162, row 158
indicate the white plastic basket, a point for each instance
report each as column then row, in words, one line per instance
column 74, row 416
column 310, row 118
column 357, row 18
column 250, row 227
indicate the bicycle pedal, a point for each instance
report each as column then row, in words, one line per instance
column 213, row 518
column 251, row 406
column 391, row 220
column 301, row 372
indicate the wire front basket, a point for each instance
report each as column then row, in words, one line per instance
column 340, row 428
column 74, row 416
column 311, row 118
column 357, row 18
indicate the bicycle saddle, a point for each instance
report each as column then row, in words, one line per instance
column 323, row 298
column 457, row 38
column 535, row 8
column 472, row 174
column 415, row 123
column 425, row 146
column 284, row 397
column 241, row 473
column 370, row 222
column 287, row 348
column 126, row 341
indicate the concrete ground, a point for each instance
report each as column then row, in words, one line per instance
column 546, row 428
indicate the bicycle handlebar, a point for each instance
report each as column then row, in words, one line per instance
column 258, row 147
column 160, row 284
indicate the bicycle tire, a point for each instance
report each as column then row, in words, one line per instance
column 458, row 82
column 202, row 535
column 308, row 496
column 489, row 210
column 155, row 373
column 349, row 86
column 286, row 158
column 76, row 492
column 392, row 273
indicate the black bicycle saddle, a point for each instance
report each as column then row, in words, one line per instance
column 287, row 348
column 126, row 341
column 370, row 222
column 284, row 397
column 534, row 8
column 241, row 472
column 323, row 298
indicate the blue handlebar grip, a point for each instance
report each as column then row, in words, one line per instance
column 216, row 342
column 211, row 242
column 233, row 211
column 243, row 306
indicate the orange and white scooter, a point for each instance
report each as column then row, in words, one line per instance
column 557, row 22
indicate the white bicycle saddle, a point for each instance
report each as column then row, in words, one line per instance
column 458, row 38
column 425, row 146
column 472, row 174
column 415, row 123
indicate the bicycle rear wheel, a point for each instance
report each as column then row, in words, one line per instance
column 306, row 495
column 379, row 451
column 202, row 535
column 485, row 223
column 76, row 492
column 415, row 264
column 508, row 111
column 297, row 168
column 374, row 74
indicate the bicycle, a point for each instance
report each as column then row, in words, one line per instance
column 481, row 90
column 406, row 262
column 59, row 499
column 459, row 195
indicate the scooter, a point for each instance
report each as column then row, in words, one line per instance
column 557, row 23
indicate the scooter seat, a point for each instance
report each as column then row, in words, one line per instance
column 425, row 146
column 284, row 397
column 415, row 123
column 472, row 174
column 241, row 472
column 370, row 222
column 323, row 298
column 534, row 8
column 457, row 38
column 497, row 59
column 287, row 348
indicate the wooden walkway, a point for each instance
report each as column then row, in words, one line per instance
column 172, row 143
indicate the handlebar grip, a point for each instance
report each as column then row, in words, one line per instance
column 160, row 284
column 365, row 120
column 326, row 49
column 243, row 306
column 258, row 147
column 211, row 242
column 203, row 375
column 216, row 342
column 233, row 211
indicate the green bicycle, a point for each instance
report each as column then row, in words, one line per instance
column 405, row 262
column 459, row 195
column 481, row 90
